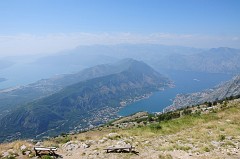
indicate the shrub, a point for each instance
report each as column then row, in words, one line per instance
column 46, row 157
column 62, row 139
column 150, row 117
column 221, row 137
column 168, row 116
column 155, row 127
column 168, row 156
column 187, row 112
column 209, row 104
column 197, row 113
column 206, row 149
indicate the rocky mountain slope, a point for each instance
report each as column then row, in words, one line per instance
column 227, row 89
column 82, row 105
column 200, row 134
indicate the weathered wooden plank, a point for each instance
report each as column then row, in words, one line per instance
column 51, row 150
column 129, row 148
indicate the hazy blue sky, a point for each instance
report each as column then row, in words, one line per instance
column 40, row 26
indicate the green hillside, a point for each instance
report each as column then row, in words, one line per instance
column 200, row 132
column 82, row 105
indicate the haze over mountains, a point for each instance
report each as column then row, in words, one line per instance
column 160, row 57
column 216, row 60
column 72, row 99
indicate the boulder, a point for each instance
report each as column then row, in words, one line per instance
column 39, row 144
column 23, row 147
column 69, row 146
column 113, row 136
column 104, row 139
column 85, row 146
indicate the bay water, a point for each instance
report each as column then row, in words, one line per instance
column 185, row 82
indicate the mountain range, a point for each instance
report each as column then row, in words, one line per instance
column 84, row 104
column 216, row 60
column 160, row 57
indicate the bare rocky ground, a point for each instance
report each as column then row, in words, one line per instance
column 214, row 135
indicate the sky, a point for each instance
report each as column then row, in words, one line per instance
column 49, row 26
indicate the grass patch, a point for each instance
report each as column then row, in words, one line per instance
column 168, row 156
column 206, row 149
column 221, row 137
column 174, row 147
column 62, row 139
column 229, row 143
column 174, row 126
column 155, row 127
column 46, row 157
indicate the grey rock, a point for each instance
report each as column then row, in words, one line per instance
column 28, row 153
column 215, row 143
column 85, row 146
column 23, row 147
column 113, row 135
column 39, row 144
column 5, row 154
column 70, row 146
column 229, row 137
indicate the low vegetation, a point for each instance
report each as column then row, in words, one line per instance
column 203, row 131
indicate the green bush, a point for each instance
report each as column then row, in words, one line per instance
column 168, row 116
column 46, row 157
column 221, row 137
column 62, row 139
column 150, row 117
column 187, row 112
column 168, row 156
column 197, row 113
column 155, row 127
column 206, row 149
column 215, row 103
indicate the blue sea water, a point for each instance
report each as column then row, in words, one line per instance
column 185, row 82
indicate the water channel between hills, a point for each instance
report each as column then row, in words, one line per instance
column 185, row 82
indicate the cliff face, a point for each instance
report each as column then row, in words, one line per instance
column 227, row 89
